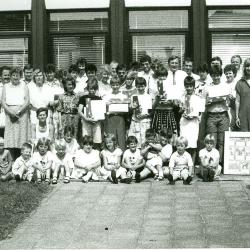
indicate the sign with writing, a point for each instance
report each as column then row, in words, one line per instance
column 237, row 153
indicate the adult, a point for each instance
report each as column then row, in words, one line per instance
column 27, row 73
column 81, row 79
column 242, row 103
column 188, row 67
column 236, row 60
column 15, row 101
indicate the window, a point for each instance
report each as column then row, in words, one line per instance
column 158, row 33
column 15, row 29
column 79, row 34
column 229, row 30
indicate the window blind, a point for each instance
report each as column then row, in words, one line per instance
column 79, row 21
column 227, row 45
column 158, row 3
column 158, row 47
column 68, row 49
column 229, row 18
column 158, row 19
column 14, row 52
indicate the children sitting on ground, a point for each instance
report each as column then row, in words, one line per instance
column 180, row 164
column 209, row 160
column 87, row 161
column 5, row 162
column 132, row 159
column 150, row 151
column 62, row 163
column 22, row 168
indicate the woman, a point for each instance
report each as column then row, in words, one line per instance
column 15, row 101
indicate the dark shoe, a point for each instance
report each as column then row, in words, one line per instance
column 18, row 177
column 113, row 177
column 205, row 175
column 126, row 180
column 137, row 177
column 211, row 174
column 170, row 179
column 187, row 181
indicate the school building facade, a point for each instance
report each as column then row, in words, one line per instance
column 60, row 31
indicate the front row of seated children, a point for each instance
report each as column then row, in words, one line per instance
column 155, row 158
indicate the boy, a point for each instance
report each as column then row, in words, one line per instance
column 209, row 160
column 180, row 164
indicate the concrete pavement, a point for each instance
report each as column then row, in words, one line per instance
column 146, row 215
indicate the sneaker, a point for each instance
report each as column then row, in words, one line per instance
column 137, row 177
column 17, row 177
column 113, row 177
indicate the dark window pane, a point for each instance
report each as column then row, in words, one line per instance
column 158, row 19
column 79, row 21
column 14, row 52
column 15, row 22
column 229, row 18
column 227, row 45
column 68, row 49
column 158, row 46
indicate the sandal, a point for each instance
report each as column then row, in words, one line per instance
column 66, row 180
column 156, row 177
column 54, row 181
column 39, row 180
column 47, row 180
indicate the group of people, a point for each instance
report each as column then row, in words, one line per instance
column 158, row 120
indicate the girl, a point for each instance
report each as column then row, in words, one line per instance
column 67, row 106
column 111, row 156
column 87, row 160
column 42, row 160
column 62, row 162
column 180, row 164
column 5, row 162
column 103, row 85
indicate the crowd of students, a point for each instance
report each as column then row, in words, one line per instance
column 164, row 122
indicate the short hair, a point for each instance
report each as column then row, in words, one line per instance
column 150, row 132
column 26, row 145
column 35, row 72
column 203, row 68
column 5, row 68
column 216, row 70
column 68, row 78
column 246, row 64
column 104, row 69
column 27, row 66
column 140, row 81
column 50, row 68
column 92, row 84
column 182, row 140
column 16, row 70
column 114, row 62
column 114, row 80
column 40, row 110
column 166, row 133
column 189, row 80
column 81, row 60
column 112, row 137
column 161, row 71
column 43, row 141
column 188, row 59
column 90, row 67
column 60, row 144
column 135, row 66
column 209, row 138
column 121, row 67
column 132, row 139
column 230, row 67
column 173, row 57
column 236, row 56
column 86, row 140
column 145, row 58
column 216, row 58
column 73, row 67
column 69, row 129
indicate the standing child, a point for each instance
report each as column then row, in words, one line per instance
column 180, row 164
column 128, row 88
column 209, row 160
column 111, row 156
column 5, row 162
column 62, row 162
column 42, row 160
column 87, row 160
column 150, row 150
column 22, row 168
column 132, row 159
column 141, row 103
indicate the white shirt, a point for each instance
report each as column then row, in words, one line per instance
column 213, row 156
column 83, row 159
column 66, row 161
column 132, row 157
column 112, row 157
column 179, row 162
column 81, row 83
column 167, row 150
column 72, row 147
column 148, row 77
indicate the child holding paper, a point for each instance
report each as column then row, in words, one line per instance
column 90, row 125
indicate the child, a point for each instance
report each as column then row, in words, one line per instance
column 141, row 103
column 209, row 160
column 111, row 156
column 90, row 126
column 115, row 122
column 42, row 160
column 150, row 150
column 103, row 85
column 132, row 159
column 128, row 88
column 62, row 162
column 189, row 123
column 180, row 164
column 87, row 160
column 5, row 162
column 22, row 168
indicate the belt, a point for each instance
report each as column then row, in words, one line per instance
column 218, row 113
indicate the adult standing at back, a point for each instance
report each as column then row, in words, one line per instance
column 15, row 101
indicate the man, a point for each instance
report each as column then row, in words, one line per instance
column 188, row 68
